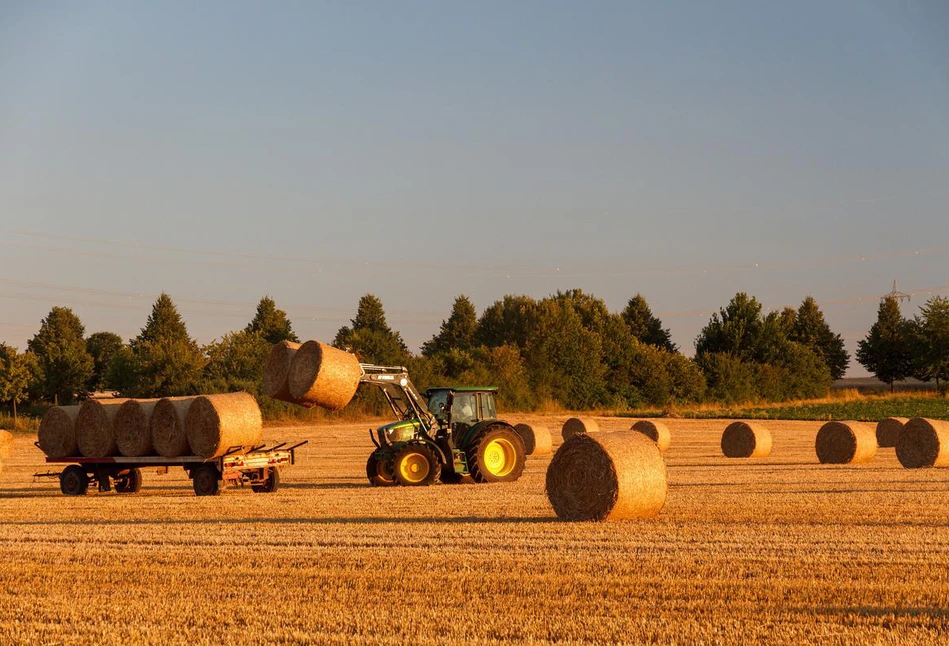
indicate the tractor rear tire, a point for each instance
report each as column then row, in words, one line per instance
column 379, row 470
column 130, row 482
column 416, row 465
column 496, row 454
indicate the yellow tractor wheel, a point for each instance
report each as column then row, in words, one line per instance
column 416, row 465
column 496, row 454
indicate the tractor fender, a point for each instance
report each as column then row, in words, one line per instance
column 463, row 441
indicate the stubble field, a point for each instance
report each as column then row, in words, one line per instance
column 780, row 550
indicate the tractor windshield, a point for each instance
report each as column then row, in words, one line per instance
column 464, row 409
column 488, row 408
column 437, row 404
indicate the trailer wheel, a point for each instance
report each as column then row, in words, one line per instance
column 270, row 485
column 73, row 481
column 130, row 482
column 415, row 465
column 379, row 470
column 206, row 480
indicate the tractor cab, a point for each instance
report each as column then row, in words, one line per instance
column 458, row 409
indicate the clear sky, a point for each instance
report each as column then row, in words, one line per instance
column 315, row 152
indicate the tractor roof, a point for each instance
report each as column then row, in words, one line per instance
column 465, row 389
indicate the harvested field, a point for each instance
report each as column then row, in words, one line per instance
column 780, row 550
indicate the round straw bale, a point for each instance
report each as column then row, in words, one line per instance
column 746, row 440
column 655, row 431
column 537, row 440
column 577, row 426
column 609, row 476
column 1, row 468
column 888, row 431
column 217, row 423
column 6, row 444
column 167, row 426
column 277, row 371
column 321, row 375
column 95, row 427
column 846, row 443
column 132, row 433
column 57, row 432
column 923, row 443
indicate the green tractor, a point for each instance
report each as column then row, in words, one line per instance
column 447, row 434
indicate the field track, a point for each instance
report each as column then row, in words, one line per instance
column 776, row 550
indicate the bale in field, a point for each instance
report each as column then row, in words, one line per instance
column 57, row 432
column 655, row 431
column 321, row 375
column 923, row 443
column 846, row 443
column 746, row 440
column 537, row 440
column 277, row 371
column 132, row 432
column 167, row 426
column 216, row 423
column 610, row 476
column 888, row 431
column 6, row 444
column 578, row 426
column 95, row 427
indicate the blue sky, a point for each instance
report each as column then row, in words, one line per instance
column 319, row 151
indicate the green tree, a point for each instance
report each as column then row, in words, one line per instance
column 15, row 375
column 507, row 322
column 272, row 324
column 458, row 332
column 236, row 362
column 165, row 359
column 811, row 330
column 370, row 337
column 931, row 342
column 63, row 364
column 102, row 347
column 729, row 379
column 737, row 330
column 564, row 358
column 646, row 327
column 887, row 350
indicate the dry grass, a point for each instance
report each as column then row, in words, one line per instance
column 781, row 551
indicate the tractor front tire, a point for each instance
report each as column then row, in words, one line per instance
column 416, row 465
column 496, row 454
column 379, row 470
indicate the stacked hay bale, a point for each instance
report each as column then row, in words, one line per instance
column 655, row 431
column 923, row 443
column 140, row 428
column 537, row 440
column 578, row 426
column 888, row 431
column 609, row 476
column 167, row 426
column 57, row 432
column 746, row 440
column 321, row 375
column 132, row 432
column 217, row 423
column 846, row 443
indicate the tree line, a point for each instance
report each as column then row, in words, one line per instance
column 566, row 350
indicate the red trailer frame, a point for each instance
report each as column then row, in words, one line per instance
column 258, row 466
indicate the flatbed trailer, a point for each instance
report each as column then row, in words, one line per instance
column 257, row 466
